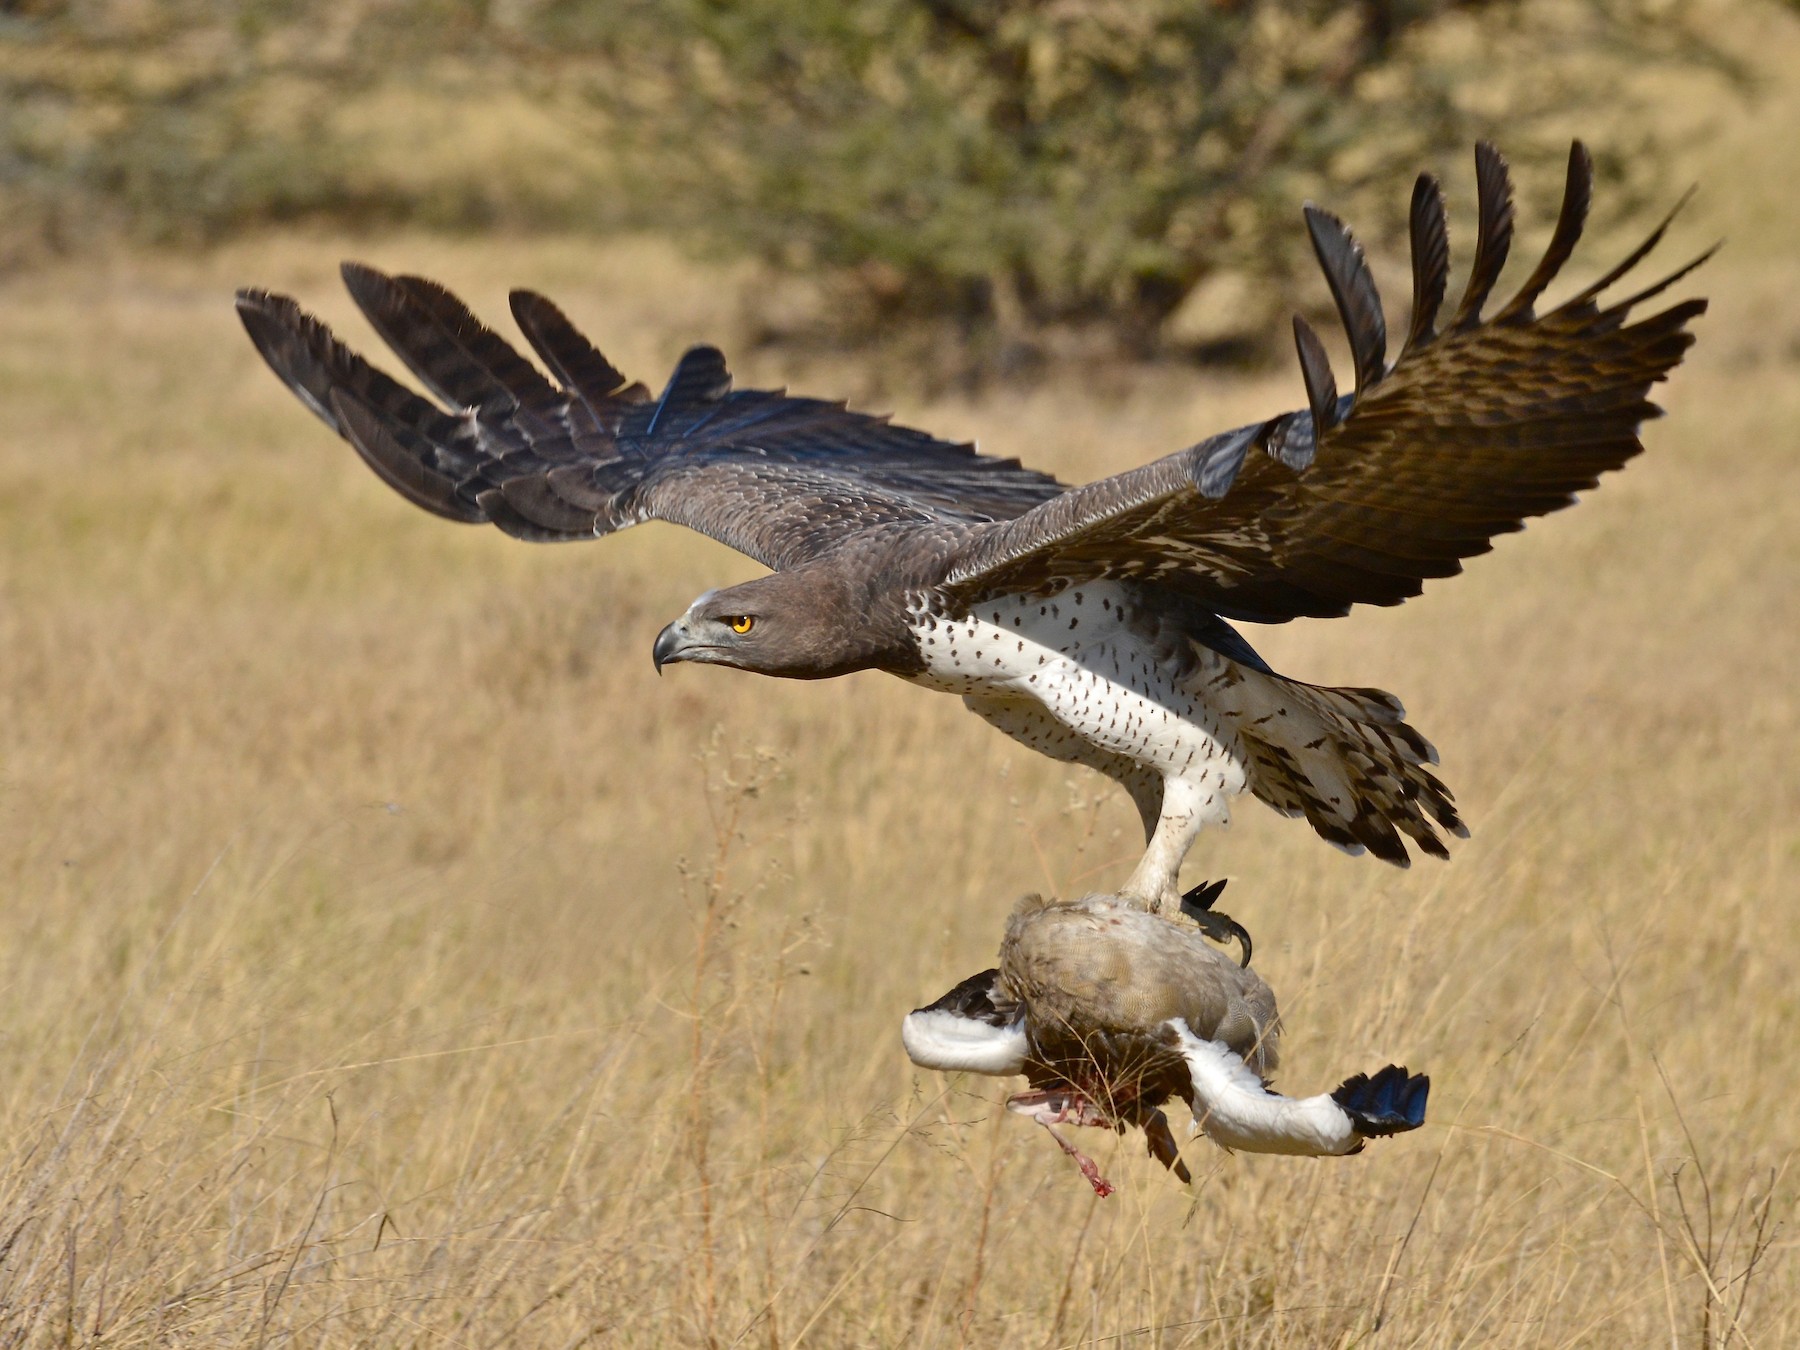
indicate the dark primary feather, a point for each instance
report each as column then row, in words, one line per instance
column 783, row 479
column 1577, row 197
column 1467, row 435
column 1358, row 303
column 571, row 357
column 1430, row 260
column 1321, row 385
column 458, row 359
column 428, row 452
column 1493, row 233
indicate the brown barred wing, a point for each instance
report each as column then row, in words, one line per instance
column 1360, row 498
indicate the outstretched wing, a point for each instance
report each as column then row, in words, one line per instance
column 1359, row 499
column 781, row 479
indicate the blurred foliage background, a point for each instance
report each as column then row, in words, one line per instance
column 1022, row 175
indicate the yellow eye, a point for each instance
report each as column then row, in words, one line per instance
column 741, row 623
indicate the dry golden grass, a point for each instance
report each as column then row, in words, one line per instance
column 389, row 958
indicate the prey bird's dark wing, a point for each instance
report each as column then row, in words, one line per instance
column 1359, row 498
column 585, row 451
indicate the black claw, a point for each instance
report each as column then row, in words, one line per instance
column 1242, row 934
column 1197, row 904
column 1200, row 899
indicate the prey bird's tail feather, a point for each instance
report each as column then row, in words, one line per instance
column 1390, row 1101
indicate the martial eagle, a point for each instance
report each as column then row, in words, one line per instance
column 1110, row 1012
column 1090, row 623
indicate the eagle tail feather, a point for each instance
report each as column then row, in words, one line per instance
column 1346, row 760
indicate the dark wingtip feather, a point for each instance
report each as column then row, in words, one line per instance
column 1378, row 835
column 562, row 347
column 284, row 335
column 701, row 376
column 1391, row 1101
column 255, row 300
column 458, row 358
column 1578, row 189
column 1353, row 288
column 1430, row 845
column 1493, row 238
column 384, row 450
column 1430, row 230
column 1689, row 308
column 384, row 303
column 368, row 286
column 1636, row 255
column 1315, row 370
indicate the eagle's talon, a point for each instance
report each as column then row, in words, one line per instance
column 1223, row 929
column 1197, row 904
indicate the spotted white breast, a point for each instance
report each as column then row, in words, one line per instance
column 1097, row 670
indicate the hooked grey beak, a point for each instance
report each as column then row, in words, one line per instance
column 668, row 646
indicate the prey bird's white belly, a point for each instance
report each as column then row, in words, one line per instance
column 1101, row 678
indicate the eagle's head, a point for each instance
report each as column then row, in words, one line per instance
column 800, row 625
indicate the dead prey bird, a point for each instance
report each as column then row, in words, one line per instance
column 1090, row 623
column 1110, row 1012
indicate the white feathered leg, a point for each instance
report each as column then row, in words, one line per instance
column 1187, row 807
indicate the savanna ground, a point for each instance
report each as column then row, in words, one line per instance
column 390, row 958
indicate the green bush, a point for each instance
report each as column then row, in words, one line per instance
column 184, row 121
column 1044, row 163
column 1025, row 168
